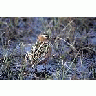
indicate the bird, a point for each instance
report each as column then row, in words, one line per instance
column 40, row 52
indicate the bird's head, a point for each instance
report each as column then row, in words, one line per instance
column 43, row 38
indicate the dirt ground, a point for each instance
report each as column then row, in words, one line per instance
column 73, row 43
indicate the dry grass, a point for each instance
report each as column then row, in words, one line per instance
column 72, row 54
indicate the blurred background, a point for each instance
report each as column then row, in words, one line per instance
column 73, row 41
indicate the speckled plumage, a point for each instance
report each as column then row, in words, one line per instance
column 40, row 52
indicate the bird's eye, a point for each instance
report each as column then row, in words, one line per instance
column 46, row 36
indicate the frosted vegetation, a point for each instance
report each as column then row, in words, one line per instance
column 73, row 42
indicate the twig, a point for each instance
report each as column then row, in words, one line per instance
column 72, row 61
column 67, row 25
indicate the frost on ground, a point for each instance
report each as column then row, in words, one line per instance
column 73, row 43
